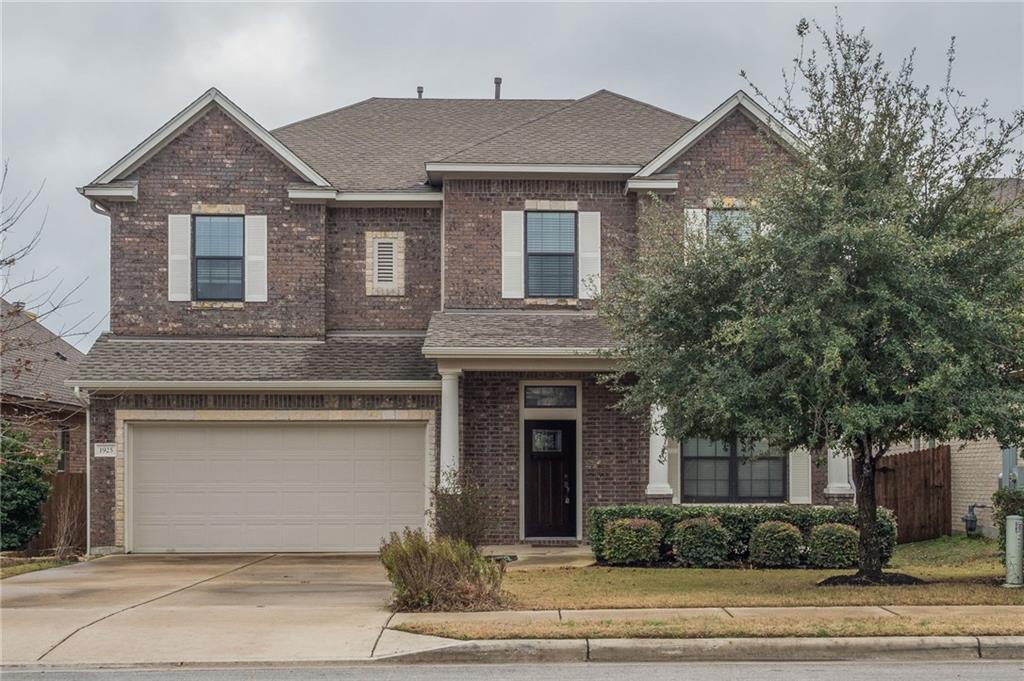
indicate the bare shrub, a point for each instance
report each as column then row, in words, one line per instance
column 440, row 573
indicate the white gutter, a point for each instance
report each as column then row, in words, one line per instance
column 365, row 386
column 652, row 185
column 129, row 192
column 533, row 168
column 495, row 353
column 317, row 195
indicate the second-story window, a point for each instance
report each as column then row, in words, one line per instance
column 550, row 255
column 219, row 253
column 738, row 219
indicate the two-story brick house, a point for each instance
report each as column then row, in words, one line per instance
column 311, row 327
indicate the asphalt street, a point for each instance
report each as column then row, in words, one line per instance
column 723, row 671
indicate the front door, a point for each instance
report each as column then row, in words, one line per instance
column 550, row 479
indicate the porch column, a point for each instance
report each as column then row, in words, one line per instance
column 839, row 489
column 657, row 475
column 449, row 423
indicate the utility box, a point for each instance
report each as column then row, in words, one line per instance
column 1014, row 551
column 1012, row 476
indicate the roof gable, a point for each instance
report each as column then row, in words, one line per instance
column 739, row 101
column 601, row 128
column 189, row 115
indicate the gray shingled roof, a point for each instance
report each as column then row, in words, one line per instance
column 35, row 361
column 382, row 144
column 456, row 329
column 604, row 128
column 339, row 358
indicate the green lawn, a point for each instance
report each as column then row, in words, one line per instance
column 30, row 566
column 959, row 571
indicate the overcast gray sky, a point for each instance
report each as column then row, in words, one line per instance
column 84, row 83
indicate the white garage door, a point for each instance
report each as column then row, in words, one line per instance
column 273, row 487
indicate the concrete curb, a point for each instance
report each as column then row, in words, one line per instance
column 722, row 650
column 909, row 648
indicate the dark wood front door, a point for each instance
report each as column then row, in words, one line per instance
column 550, row 479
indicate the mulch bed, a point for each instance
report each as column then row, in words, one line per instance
column 887, row 579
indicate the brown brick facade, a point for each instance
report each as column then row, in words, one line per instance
column 615, row 447
column 215, row 161
column 472, row 230
column 103, row 418
column 724, row 162
column 348, row 306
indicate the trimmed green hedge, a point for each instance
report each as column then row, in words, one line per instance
column 740, row 521
column 834, row 545
column 701, row 542
column 1006, row 502
column 632, row 541
column 775, row 544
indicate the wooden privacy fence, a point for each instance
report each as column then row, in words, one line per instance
column 63, row 515
column 916, row 486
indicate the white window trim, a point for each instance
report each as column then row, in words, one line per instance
column 550, row 414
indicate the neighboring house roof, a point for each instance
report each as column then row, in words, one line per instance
column 602, row 128
column 124, row 362
column 470, row 332
column 35, row 361
column 381, row 144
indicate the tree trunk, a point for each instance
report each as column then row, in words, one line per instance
column 864, row 465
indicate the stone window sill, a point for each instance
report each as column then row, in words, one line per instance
column 552, row 302
column 216, row 305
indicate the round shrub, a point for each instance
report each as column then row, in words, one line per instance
column 775, row 544
column 632, row 541
column 701, row 542
column 834, row 545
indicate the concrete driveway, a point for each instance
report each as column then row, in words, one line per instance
column 192, row 609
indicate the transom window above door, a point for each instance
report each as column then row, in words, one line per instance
column 219, row 254
column 550, row 254
column 549, row 396
column 731, row 471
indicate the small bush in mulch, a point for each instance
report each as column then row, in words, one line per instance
column 632, row 541
column 701, row 542
column 885, row 579
column 775, row 544
column 833, row 545
column 440, row 573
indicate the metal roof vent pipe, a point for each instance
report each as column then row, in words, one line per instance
column 497, row 87
column 419, row 92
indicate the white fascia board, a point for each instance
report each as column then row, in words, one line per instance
column 384, row 386
column 497, row 353
column 652, row 185
column 396, row 197
column 172, row 128
column 111, row 192
column 532, row 168
column 312, row 194
column 739, row 100
column 321, row 195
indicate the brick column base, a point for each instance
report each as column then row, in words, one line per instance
column 659, row 499
column 839, row 499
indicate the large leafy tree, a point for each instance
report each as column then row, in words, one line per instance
column 881, row 298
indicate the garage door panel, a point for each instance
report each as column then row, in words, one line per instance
column 273, row 487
